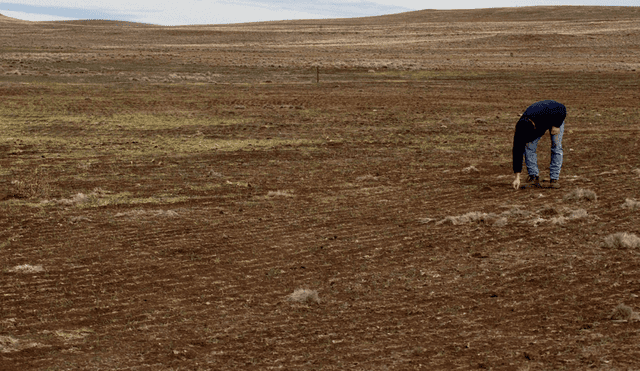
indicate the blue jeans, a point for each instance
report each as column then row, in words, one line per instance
column 531, row 158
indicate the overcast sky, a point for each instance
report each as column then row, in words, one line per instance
column 168, row 13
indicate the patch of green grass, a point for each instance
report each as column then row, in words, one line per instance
column 94, row 200
column 128, row 135
column 430, row 74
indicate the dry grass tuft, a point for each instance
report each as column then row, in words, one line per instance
column 77, row 199
column 366, row 177
column 622, row 240
column 622, row 313
column 470, row 169
column 578, row 214
column 580, row 194
column 516, row 212
column 631, row 204
column 636, row 171
column 10, row 344
column 26, row 268
column 558, row 220
column 426, row 220
column 304, row 296
column 474, row 216
column 280, row 194
column 501, row 222
column 556, row 216
column 138, row 213
column 80, row 198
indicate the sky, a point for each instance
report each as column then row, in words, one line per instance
column 189, row 12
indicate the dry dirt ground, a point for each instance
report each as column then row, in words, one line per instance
column 165, row 190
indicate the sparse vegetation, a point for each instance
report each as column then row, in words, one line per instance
column 623, row 313
column 470, row 169
column 280, row 193
column 578, row 214
column 622, row 240
column 631, row 204
column 33, row 186
column 304, row 296
column 474, row 216
column 517, row 214
column 558, row 220
column 580, row 194
column 27, row 268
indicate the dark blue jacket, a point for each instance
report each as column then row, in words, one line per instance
column 544, row 114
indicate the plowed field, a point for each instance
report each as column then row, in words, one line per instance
column 165, row 190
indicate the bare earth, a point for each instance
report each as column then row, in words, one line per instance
column 165, row 190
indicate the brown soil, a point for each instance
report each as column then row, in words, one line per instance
column 179, row 246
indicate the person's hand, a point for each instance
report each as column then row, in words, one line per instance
column 554, row 130
column 516, row 183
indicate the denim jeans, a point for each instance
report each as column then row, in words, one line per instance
column 531, row 158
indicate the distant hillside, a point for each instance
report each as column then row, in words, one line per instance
column 529, row 14
column 512, row 14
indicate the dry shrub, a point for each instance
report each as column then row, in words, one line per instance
column 365, row 178
column 137, row 213
column 501, row 222
column 10, row 344
column 214, row 174
column 568, row 215
column 622, row 313
column 622, row 240
column 26, row 268
column 502, row 219
column 7, row 344
column 474, row 216
column 558, row 220
column 578, row 213
column 470, row 169
column 516, row 212
column 77, row 199
column 81, row 198
column 636, row 171
column 304, row 296
column 631, row 204
column 580, row 194
column 280, row 194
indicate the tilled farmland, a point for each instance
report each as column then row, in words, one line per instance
column 166, row 193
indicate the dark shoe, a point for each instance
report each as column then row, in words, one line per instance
column 553, row 183
column 533, row 180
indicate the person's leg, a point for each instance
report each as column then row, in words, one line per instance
column 531, row 157
column 556, row 154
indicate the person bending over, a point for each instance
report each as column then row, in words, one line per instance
column 533, row 124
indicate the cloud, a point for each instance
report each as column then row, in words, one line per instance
column 50, row 13
column 34, row 17
column 165, row 12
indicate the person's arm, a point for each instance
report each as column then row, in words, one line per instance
column 518, row 151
